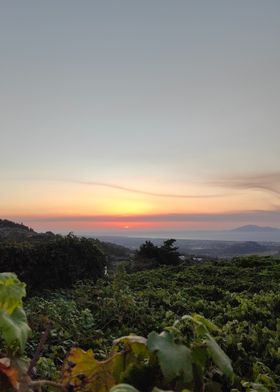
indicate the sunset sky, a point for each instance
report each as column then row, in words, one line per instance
column 121, row 115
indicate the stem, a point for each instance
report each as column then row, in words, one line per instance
column 39, row 349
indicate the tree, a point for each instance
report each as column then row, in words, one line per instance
column 152, row 255
column 168, row 253
column 148, row 250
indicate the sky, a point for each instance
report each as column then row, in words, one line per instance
column 118, row 116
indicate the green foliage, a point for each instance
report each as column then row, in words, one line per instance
column 56, row 263
column 159, row 362
column 11, row 292
column 239, row 318
column 13, row 323
column 202, row 327
column 46, row 369
column 241, row 297
column 152, row 255
column 220, row 359
column 14, row 329
column 174, row 359
column 70, row 326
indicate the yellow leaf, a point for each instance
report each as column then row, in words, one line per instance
column 83, row 372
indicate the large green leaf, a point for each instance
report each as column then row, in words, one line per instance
column 174, row 359
column 14, row 328
column 134, row 354
column 218, row 356
column 11, row 292
column 198, row 318
column 201, row 325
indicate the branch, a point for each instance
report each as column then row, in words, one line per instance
column 39, row 349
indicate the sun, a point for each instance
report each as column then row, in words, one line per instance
column 128, row 207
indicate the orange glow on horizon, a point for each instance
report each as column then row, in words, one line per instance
column 124, row 226
column 77, row 207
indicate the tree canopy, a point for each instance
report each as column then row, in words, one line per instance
column 166, row 254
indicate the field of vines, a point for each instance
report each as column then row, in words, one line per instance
column 211, row 326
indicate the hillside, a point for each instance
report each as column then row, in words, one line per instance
column 18, row 232
column 120, row 248
column 7, row 224
column 84, row 307
column 19, row 244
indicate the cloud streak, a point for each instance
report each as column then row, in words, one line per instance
column 269, row 182
column 140, row 191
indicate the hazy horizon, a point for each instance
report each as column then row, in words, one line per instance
column 235, row 234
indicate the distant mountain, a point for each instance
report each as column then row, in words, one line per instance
column 256, row 229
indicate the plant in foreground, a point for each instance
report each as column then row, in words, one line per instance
column 184, row 357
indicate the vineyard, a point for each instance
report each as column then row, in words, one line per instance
column 213, row 326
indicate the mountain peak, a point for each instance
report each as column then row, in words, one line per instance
column 255, row 228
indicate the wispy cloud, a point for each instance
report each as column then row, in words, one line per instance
column 139, row 191
column 265, row 181
column 269, row 182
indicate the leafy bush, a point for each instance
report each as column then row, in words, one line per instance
column 57, row 263
column 242, row 300
column 163, row 360
column 241, row 297
column 166, row 360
